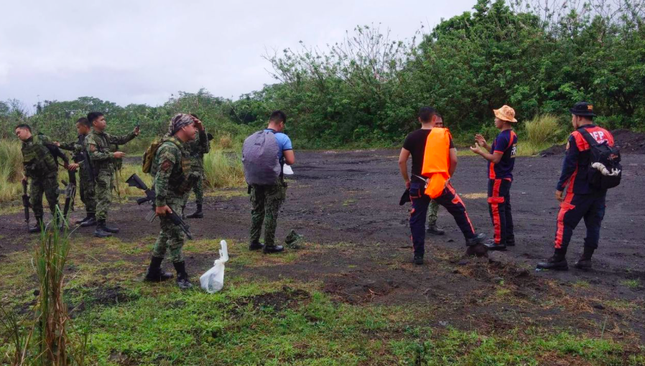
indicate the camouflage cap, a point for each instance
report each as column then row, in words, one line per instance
column 178, row 121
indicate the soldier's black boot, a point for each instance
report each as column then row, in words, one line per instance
column 90, row 220
column 558, row 262
column 434, row 230
column 100, row 232
column 585, row 260
column 256, row 245
column 38, row 227
column 272, row 249
column 112, row 230
column 155, row 273
column 197, row 214
column 182, row 276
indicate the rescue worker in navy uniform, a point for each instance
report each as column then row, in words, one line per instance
column 581, row 201
column 415, row 145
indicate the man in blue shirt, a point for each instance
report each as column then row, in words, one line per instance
column 266, row 200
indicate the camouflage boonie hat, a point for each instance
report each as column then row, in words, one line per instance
column 294, row 240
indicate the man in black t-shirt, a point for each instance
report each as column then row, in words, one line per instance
column 415, row 146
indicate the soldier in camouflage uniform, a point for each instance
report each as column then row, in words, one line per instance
column 172, row 170
column 40, row 155
column 79, row 154
column 97, row 145
column 266, row 200
column 197, row 148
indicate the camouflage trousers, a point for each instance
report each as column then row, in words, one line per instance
column 433, row 212
column 198, row 188
column 265, row 206
column 40, row 186
column 103, row 189
column 88, row 195
column 171, row 238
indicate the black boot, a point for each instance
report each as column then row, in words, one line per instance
column 39, row 226
column 197, row 214
column 272, row 249
column 585, row 260
column 182, row 276
column 112, row 230
column 558, row 262
column 434, row 230
column 155, row 273
column 100, row 231
column 90, row 220
column 492, row 246
column 256, row 245
column 477, row 239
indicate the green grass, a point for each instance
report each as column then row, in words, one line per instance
column 10, row 169
column 223, row 170
column 632, row 283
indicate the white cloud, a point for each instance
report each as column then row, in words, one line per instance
column 142, row 51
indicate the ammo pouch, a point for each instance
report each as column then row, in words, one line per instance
column 186, row 183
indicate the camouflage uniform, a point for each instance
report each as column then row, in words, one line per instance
column 197, row 148
column 171, row 168
column 85, row 173
column 42, row 170
column 433, row 213
column 265, row 205
column 97, row 145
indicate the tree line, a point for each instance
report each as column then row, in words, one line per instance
column 538, row 56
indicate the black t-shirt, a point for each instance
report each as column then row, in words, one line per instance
column 415, row 143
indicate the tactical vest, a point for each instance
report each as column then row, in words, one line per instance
column 181, row 179
column 37, row 159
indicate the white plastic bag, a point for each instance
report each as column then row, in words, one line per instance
column 213, row 280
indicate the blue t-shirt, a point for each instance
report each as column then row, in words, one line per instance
column 283, row 141
column 506, row 143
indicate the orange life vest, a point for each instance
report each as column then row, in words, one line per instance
column 436, row 161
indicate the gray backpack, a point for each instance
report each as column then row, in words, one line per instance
column 260, row 158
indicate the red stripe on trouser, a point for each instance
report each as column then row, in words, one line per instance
column 494, row 202
column 457, row 200
column 565, row 207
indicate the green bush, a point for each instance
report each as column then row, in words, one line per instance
column 544, row 129
column 223, row 170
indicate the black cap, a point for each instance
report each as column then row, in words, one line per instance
column 583, row 109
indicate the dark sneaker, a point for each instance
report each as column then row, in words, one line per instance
column 273, row 249
column 510, row 242
column 554, row 263
column 434, row 230
column 491, row 245
column 477, row 239
column 256, row 246
column 418, row 260
column 583, row 263
column 88, row 222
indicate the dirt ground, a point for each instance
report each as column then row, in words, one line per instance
column 345, row 203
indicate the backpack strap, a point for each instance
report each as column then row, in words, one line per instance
column 281, row 160
column 587, row 136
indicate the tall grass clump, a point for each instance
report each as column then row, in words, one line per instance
column 223, row 170
column 540, row 133
column 10, row 169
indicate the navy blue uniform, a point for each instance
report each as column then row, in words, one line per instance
column 581, row 200
column 500, row 178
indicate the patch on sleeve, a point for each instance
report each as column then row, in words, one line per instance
column 167, row 164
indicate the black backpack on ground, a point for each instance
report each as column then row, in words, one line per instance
column 604, row 170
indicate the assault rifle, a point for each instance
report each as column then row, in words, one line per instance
column 25, row 201
column 135, row 181
column 70, row 193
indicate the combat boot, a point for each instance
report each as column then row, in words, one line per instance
column 197, row 214
column 491, row 245
column 272, row 249
column 477, row 239
column 434, row 230
column 558, row 262
column 182, row 276
column 155, row 273
column 256, row 245
column 585, row 260
column 112, row 230
column 38, row 227
column 90, row 220
column 100, row 231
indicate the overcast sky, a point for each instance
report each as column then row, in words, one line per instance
column 142, row 51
